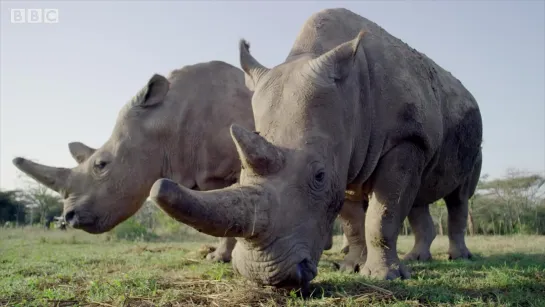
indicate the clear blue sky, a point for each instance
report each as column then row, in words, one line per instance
column 66, row 82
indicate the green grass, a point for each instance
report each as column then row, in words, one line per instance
column 54, row 268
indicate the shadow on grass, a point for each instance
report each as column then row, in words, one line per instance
column 505, row 279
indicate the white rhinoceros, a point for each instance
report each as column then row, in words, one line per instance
column 176, row 128
column 352, row 107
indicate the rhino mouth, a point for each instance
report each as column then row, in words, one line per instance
column 282, row 262
column 304, row 273
column 91, row 228
column 78, row 219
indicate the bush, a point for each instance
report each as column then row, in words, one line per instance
column 132, row 230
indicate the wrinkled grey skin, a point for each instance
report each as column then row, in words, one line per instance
column 175, row 128
column 346, row 110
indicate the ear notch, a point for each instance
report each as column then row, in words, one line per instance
column 80, row 152
column 253, row 70
column 337, row 63
column 153, row 93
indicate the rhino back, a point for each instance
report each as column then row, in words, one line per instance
column 326, row 29
column 391, row 62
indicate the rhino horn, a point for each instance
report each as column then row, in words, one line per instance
column 252, row 68
column 256, row 153
column 52, row 177
column 231, row 212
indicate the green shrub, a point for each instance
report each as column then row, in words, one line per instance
column 132, row 230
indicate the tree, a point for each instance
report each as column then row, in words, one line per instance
column 512, row 204
column 438, row 212
column 147, row 215
column 508, row 205
column 40, row 198
column 12, row 207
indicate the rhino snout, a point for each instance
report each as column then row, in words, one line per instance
column 79, row 219
column 72, row 218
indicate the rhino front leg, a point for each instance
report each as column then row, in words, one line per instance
column 395, row 185
column 329, row 242
column 223, row 250
column 225, row 247
column 353, row 224
column 424, row 233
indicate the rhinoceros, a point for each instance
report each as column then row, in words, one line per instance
column 351, row 108
column 176, row 128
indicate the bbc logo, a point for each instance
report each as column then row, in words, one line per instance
column 34, row 15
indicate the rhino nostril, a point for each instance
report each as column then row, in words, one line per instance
column 307, row 270
column 71, row 218
column 305, row 273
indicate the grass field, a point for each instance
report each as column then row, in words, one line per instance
column 54, row 268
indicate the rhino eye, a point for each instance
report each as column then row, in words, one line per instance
column 99, row 165
column 319, row 177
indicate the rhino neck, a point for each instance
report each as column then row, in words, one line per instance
column 167, row 170
column 173, row 153
column 178, row 154
column 175, row 164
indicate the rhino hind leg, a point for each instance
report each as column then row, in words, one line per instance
column 223, row 251
column 424, row 233
column 353, row 224
column 458, row 205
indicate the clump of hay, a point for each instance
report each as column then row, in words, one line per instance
column 241, row 293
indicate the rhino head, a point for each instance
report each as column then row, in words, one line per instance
column 294, row 169
column 110, row 183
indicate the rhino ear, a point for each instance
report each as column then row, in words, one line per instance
column 253, row 70
column 153, row 93
column 337, row 63
column 80, row 152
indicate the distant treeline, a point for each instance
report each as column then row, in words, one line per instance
column 514, row 204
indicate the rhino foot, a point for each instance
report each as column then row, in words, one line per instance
column 381, row 271
column 418, row 254
column 222, row 252
column 352, row 263
column 459, row 253
column 219, row 256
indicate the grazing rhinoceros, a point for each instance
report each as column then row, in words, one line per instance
column 176, row 128
column 348, row 109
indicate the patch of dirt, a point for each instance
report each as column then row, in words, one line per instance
column 144, row 248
